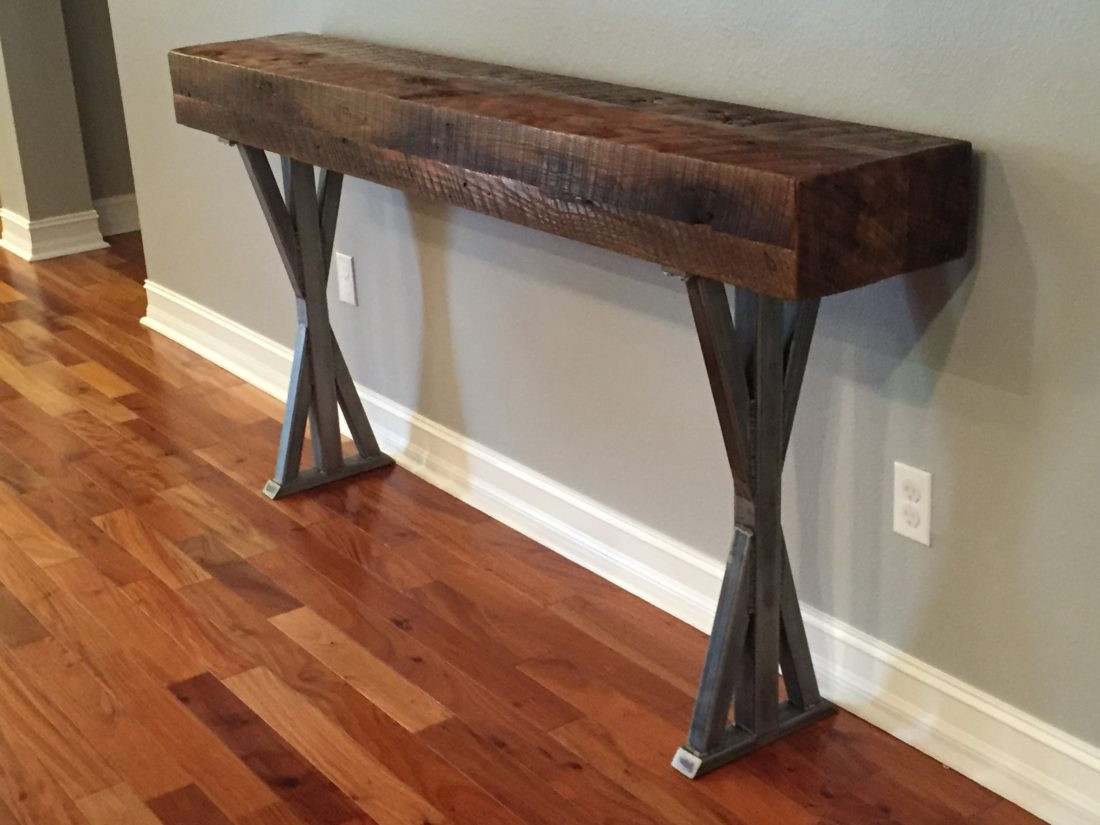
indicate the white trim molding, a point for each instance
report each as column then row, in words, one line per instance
column 1025, row 760
column 117, row 214
column 36, row 240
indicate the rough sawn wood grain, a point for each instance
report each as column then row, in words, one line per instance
column 783, row 204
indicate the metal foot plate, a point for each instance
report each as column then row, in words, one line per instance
column 308, row 479
column 740, row 742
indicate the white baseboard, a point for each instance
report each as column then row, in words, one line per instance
column 36, row 240
column 117, row 214
column 1040, row 768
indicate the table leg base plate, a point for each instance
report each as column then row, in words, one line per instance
column 308, row 479
column 740, row 742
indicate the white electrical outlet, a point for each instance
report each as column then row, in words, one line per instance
column 913, row 503
column 345, row 279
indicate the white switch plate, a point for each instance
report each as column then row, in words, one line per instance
column 345, row 279
column 913, row 503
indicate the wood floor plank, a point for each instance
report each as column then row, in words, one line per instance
column 30, row 715
column 46, row 458
column 393, row 694
column 131, row 489
column 187, row 806
column 126, row 621
column 30, row 794
column 227, row 781
column 267, row 754
column 15, row 476
column 538, row 752
column 327, row 746
column 471, row 599
column 118, row 805
column 232, row 528
column 426, row 772
column 32, row 536
column 1003, row 813
column 172, row 419
column 9, row 294
column 83, row 497
column 162, row 360
column 831, row 796
column 18, row 626
column 211, row 554
column 102, row 718
column 55, row 375
column 98, row 376
column 192, row 631
column 354, row 504
column 258, row 511
column 655, row 641
column 495, row 539
column 49, row 432
column 399, row 568
column 43, row 395
column 435, row 656
column 36, row 337
column 156, row 554
column 251, row 470
column 170, row 521
column 664, row 792
column 278, row 813
column 81, row 535
column 517, row 788
column 156, row 445
column 633, row 729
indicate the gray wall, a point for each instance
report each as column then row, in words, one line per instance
column 42, row 146
column 13, row 194
column 98, row 99
column 583, row 365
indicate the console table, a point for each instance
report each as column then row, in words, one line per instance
column 785, row 208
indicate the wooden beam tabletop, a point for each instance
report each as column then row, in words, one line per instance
column 783, row 204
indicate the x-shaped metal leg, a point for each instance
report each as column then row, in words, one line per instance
column 303, row 224
column 755, row 358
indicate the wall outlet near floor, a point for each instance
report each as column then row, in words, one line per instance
column 345, row 279
column 913, row 503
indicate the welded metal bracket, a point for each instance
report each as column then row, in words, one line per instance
column 303, row 224
column 756, row 358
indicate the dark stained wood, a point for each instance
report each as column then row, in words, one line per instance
column 784, row 204
column 305, row 789
column 18, row 626
column 187, row 806
column 441, row 668
column 238, row 575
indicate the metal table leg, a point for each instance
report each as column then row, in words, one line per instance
column 755, row 364
column 303, row 225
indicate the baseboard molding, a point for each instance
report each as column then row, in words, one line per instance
column 37, row 240
column 117, row 214
column 1040, row 768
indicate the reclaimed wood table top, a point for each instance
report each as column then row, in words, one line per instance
column 784, row 204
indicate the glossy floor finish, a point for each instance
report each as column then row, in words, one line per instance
column 175, row 648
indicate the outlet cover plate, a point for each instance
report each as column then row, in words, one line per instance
column 913, row 503
column 345, row 279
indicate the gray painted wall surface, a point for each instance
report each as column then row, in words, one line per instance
column 13, row 194
column 43, row 109
column 583, row 364
column 98, row 98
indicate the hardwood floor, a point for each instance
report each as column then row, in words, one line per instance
column 175, row 648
